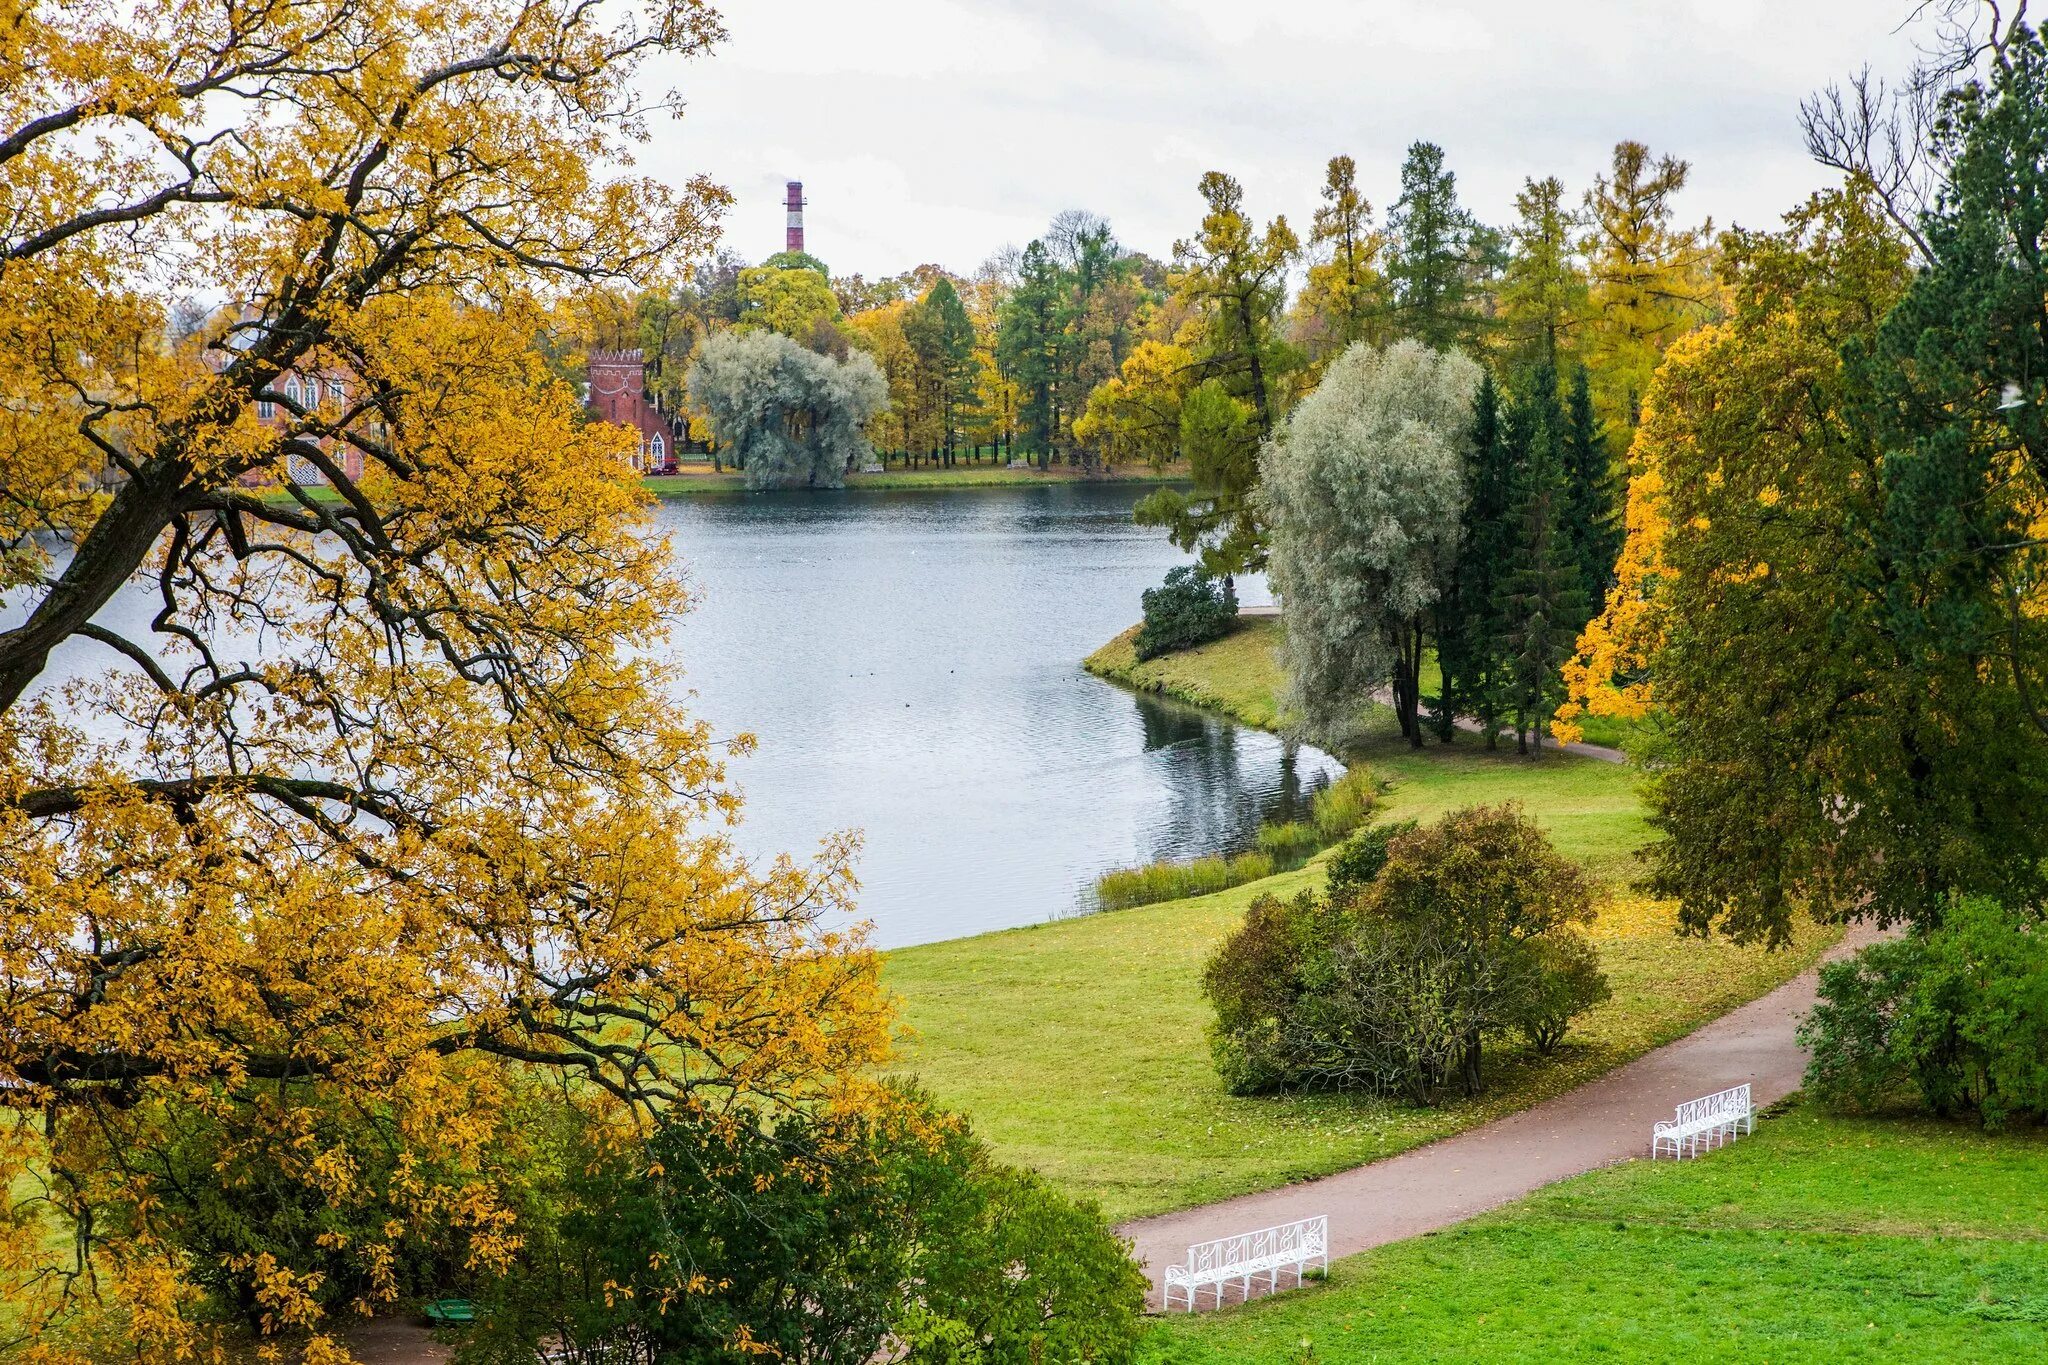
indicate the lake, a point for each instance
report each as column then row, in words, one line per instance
column 910, row 662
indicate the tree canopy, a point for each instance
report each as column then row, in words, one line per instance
column 387, row 805
column 1363, row 488
column 791, row 418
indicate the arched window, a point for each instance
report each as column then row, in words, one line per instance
column 335, row 392
column 291, row 388
column 657, row 449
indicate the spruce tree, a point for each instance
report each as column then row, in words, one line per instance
column 1593, row 517
column 1469, row 648
column 1543, row 604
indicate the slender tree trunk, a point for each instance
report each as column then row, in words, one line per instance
column 1408, row 681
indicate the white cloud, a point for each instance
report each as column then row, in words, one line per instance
column 937, row 130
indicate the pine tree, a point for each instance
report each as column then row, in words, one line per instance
column 1592, row 518
column 1542, row 603
column 1430, row 268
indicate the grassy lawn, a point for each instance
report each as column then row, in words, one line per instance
column 1818, row 1239
column 1079, row 1047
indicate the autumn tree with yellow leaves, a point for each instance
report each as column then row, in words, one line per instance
column 385, row 815
column 1651, row 278
column 1825, row 748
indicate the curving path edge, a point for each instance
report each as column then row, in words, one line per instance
column 1598, row 1124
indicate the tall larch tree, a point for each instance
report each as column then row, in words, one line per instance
column 1344, row 296
column 1544, row 293
column 1233, row 277
column 1429, row 265
column 1652, row 279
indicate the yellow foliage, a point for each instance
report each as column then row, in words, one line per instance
column 393, row 809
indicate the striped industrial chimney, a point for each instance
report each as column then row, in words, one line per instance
column 794, row 240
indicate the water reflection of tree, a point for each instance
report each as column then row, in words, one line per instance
column 1220, row 796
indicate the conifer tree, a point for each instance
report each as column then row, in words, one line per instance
column 1544, row 296
column 1592, row 518
column 1469, row 623
column 1029, row 340
column 1542, row 602
column 1429, row 269
column 1651, row 279
column 1234, row 278
column 1345, row 291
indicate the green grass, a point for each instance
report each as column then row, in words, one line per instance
column 1818, row 1239
column 1079, row 1047
column 1617, row 732
column 1238, row 675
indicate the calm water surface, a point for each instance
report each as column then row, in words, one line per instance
column 910, row 663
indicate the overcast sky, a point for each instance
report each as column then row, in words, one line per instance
column 939, row 130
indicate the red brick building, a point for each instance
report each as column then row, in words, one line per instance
column 330, row 387
column 618, row 393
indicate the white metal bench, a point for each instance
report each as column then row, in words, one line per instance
column 1703, row 1123
column 1247, row 1256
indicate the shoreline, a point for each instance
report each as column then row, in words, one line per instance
column 1189, row 676
column 700, row 485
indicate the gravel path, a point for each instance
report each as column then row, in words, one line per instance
column 1600, row 1123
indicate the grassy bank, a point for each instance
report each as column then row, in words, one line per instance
column 1818, row 1239
column 1238, row 675
column 1079, row 1047
column 960, row 476
column 1334, row 813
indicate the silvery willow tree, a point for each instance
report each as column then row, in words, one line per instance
column 1362, row 489
column 792, row 418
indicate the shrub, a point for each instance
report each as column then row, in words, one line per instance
column 819, row 1238
column 1192, row 608
column 1256, row 980
column 1959, row 1014
column 1434, row 940
column 1566, row 982
column 1359, row 859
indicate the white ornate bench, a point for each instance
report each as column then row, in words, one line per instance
column 1703, row 1123
column 1247, row 1256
